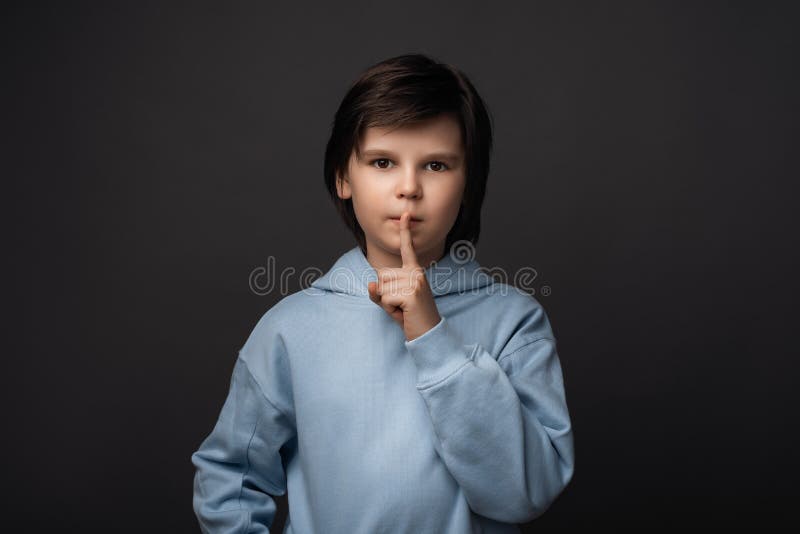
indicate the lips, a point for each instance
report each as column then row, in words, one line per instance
column 417, row 219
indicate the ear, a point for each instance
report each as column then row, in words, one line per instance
column 343, row 187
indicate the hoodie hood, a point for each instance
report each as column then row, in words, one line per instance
column 352, row 273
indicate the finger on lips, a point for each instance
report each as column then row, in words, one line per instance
column 409, row 259
column 407, row 253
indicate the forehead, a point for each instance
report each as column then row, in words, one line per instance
column 439, row 133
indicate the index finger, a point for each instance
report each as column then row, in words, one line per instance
column 407, row 252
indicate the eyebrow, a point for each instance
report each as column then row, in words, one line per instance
column 433, row 155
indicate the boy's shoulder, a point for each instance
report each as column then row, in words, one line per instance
column 291, row 316
column 510, row 297
column 284, row 313
column 520, row 312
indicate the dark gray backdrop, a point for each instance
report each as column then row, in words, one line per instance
column 645, row 166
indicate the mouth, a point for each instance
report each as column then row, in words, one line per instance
column 412, row 222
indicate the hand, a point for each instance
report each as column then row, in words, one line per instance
column 404, row 293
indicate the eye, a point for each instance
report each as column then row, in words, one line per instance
column 383, row 164
column 442, row 165
column 377, row 160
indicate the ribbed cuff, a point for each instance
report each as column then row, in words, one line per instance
column 438, row 353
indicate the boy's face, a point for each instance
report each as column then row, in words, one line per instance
column 419, row 168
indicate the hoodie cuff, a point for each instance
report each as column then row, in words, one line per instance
column 438, row 353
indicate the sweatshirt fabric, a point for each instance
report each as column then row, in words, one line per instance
column 464, row 429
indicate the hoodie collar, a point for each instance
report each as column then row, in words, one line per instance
column 351, row 274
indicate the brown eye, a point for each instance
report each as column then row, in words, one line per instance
column 440, row 164
column 378, row 160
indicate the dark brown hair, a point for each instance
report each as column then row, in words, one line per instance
column 403, row 90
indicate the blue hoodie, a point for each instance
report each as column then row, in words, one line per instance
column 464, row 429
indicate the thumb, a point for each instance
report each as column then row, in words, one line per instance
column 372, row 287
column 394, row 312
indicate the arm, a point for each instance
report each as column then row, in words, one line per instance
column 239, row 463
column 503, row 426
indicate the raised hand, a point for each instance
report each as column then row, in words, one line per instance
column 404, row 293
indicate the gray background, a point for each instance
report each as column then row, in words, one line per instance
column 156, row 154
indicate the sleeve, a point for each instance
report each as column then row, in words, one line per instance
column 502, row 425
column 239, row 464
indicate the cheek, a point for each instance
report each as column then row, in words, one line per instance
column 448, row 199
column 367, row 203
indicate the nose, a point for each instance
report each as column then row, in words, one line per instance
column 409, row 185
